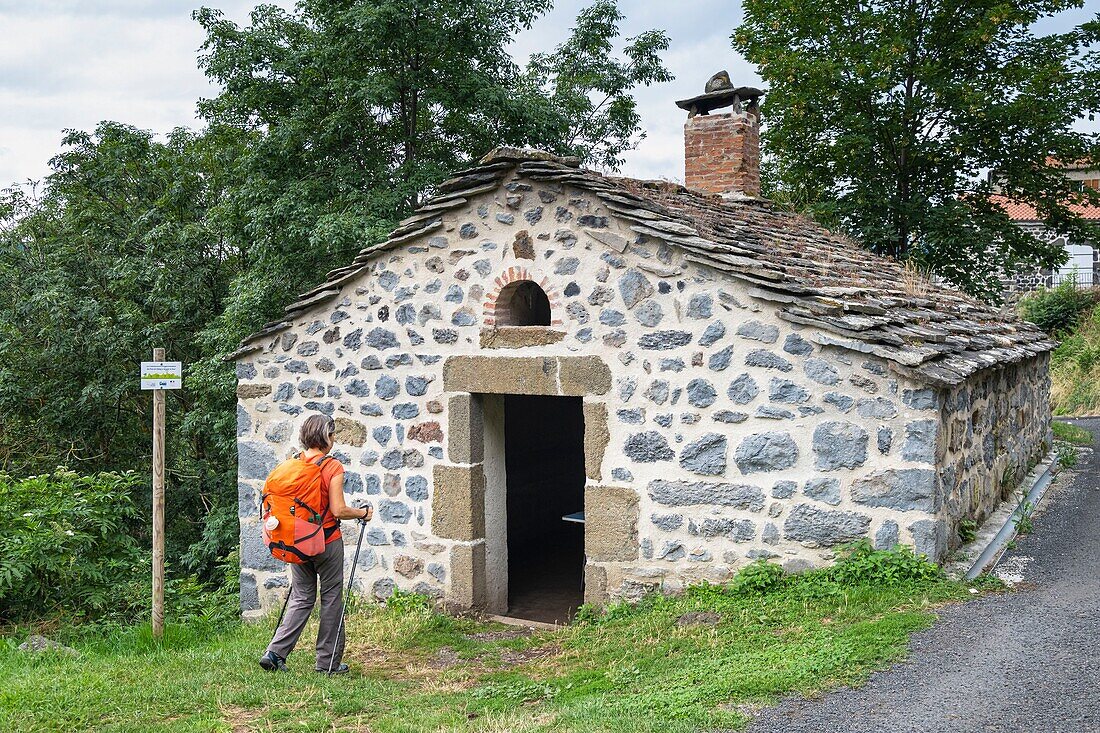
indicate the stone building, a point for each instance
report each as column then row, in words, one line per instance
column 708, row 378
column 1082, row 265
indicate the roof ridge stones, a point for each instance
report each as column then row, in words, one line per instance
column 861, row 301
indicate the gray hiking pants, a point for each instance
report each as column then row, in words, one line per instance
column 328, row 568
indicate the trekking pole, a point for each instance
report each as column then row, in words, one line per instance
column 281, row 613
column 347, row 595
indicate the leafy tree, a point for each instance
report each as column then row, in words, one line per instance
column 581, row 93
column 900, row 119
column 111, row 258
column 331, row 122
column 358, row 107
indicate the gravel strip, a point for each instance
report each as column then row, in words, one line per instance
column 1028, row 660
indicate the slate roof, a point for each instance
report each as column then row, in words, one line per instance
column 861, row 301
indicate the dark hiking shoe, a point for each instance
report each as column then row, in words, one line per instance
column 272, row 662
column 342, row 669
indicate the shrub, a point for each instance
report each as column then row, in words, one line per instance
column 758, row 578
column 76, row 547
column 860, row 564
column 1058, row 310
column 69, row 545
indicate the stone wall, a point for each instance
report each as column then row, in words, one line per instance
column 995, row 428
column 730, row 434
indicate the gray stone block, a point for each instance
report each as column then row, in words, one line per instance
column 254, row 553
column 885, row 440
column 825, row 490
column 839, row 444
column 784, row 390
column 664, row 340
column 903, row 489
column 767, row 360
column 712, row 334
column 743, row 390
column 821, row 371
column 705, row 456
column 887, row 535
column 824, row 527
column 720, row 360
column 381, row 339
column 244, row 422
column 784, row 489
column 250, row 594
column 693, row 493
column 634, row 287
column 386, row 387
column 700, row 306
column 255, row 460
column 701, row 393
column 920, row 399
column 248, row 501
column 878, row 407
column 647, row 447
column 795, row 344
column 920, row 441
column 394, row 511
column 667, row 522
column 930, row 538
column 757, row 331
column 763, row 452
column 737, row 530
column 649, row 313
column 842, row 402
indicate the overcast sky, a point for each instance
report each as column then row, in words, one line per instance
column 71, row 63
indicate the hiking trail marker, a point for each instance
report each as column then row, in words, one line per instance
column 159, row 375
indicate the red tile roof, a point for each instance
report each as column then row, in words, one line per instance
column 1019, row 211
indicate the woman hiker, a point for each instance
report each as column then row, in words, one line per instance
column 326, row 569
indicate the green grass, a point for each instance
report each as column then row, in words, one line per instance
column 1075, row 368
column 1069, row 433
column 629, row 669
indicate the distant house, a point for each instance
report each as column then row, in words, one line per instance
column 558, row 386
column 1083, row 263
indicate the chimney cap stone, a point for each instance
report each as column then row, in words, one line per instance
column 720, row 92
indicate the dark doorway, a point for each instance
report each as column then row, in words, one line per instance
column 544, row 460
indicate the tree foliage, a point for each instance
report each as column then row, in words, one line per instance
column 899, row 119
column 332, row 120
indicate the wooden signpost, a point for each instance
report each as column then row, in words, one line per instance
column 159, row 375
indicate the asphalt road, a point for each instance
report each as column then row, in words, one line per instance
column 1026, row 661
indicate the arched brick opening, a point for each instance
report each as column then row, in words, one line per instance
column 522, row 303
column 513, row 300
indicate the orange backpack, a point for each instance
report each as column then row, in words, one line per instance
column 289, row 509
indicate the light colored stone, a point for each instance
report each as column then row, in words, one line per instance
column 610, row 523
column 465, row 427
column 349, row 432
column 596, row 438
column 458, row 502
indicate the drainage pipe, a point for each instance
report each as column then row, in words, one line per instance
column 994, row 550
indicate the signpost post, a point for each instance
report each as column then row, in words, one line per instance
column 159, row 375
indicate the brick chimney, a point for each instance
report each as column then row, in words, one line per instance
column 722, row 151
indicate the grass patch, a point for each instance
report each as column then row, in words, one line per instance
column 629, row 668
column 1075, row 369
column 1070, row 433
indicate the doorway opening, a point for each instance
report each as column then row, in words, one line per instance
column 544, row 462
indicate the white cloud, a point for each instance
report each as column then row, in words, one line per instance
column 72, row 63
